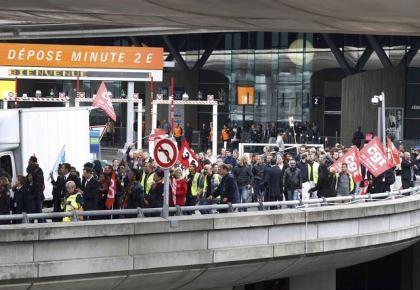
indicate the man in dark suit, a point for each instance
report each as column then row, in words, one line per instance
column 408, row 167
column 64, row 178
column 274, row 182
column 90, row 188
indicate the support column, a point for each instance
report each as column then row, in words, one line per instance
column 140, row 125
column 154, row 125
column 315, row 281
column 130, row 114
column 154, row 117
column 214, row 129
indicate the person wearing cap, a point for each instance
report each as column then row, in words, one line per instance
column 89, row 188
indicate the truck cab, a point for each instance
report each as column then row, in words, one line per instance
column 7, row 164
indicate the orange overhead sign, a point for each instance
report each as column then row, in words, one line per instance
column 81, row 56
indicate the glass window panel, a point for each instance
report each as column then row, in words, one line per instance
column 416, row 60
column 373, row 62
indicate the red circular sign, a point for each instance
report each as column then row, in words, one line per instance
column 165, row 153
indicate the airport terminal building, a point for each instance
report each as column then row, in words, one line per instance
column 323, row 78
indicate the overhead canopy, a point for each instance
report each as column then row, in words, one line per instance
column 78, row 18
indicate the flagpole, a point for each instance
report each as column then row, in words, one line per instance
column 172, row 111
column 152, row 91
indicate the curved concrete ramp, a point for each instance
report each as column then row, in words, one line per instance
column 202, row 252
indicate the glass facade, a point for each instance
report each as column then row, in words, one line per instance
column 278, row 65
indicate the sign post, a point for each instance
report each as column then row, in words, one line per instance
column 165, row 153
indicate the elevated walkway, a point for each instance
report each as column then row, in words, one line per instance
column 204, row 251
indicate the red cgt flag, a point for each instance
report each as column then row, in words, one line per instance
column 186, row 155
column 103, row 101
column 111, row 191
column 374, row 158
column 393, row 153
column 353, row 163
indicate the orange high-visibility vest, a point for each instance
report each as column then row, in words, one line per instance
column 225, row 135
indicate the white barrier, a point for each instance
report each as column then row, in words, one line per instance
column 286, row 146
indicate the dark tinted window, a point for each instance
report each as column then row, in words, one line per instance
column 6, row 164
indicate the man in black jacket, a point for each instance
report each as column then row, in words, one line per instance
column 189, row 133
column 38, row 183
column 302, row 165
column 358, row 137
column 89, row 188
column 292, row 181
column 227, row 189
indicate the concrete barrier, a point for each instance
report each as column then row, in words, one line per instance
column 204, row 251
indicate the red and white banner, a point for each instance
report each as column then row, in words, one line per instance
column 159, row 133
column 103, row 101
column 351, row 158
column 393, row 153
column 186, row 155
column 111, row 191
column 374, row 158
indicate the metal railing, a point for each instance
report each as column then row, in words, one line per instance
column 209, row 209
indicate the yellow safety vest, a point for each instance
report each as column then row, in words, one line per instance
column 350, row 181
column 70, row 205
column 315, row 166
column 194, row 185
column 148, row 184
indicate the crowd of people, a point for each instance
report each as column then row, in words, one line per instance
column 136, row 180
column 232, row 134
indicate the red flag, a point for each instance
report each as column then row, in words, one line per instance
column 353, row 163
column 186, row 155
column 103, row 101
column 393, row 153
column 157, row 134
column 374, row 158
column 111, row 191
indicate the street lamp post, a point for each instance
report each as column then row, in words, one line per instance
column 381, row 116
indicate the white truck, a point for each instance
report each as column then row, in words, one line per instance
column 51, row 134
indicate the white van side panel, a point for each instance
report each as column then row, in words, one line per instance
column 44, row 132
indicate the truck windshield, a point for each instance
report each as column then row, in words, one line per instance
column 6, row 164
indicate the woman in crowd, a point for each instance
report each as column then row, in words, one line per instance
column 134, row 194
column 4, row 197
column 178, row 190
column 103, row 190
column 22, row 201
